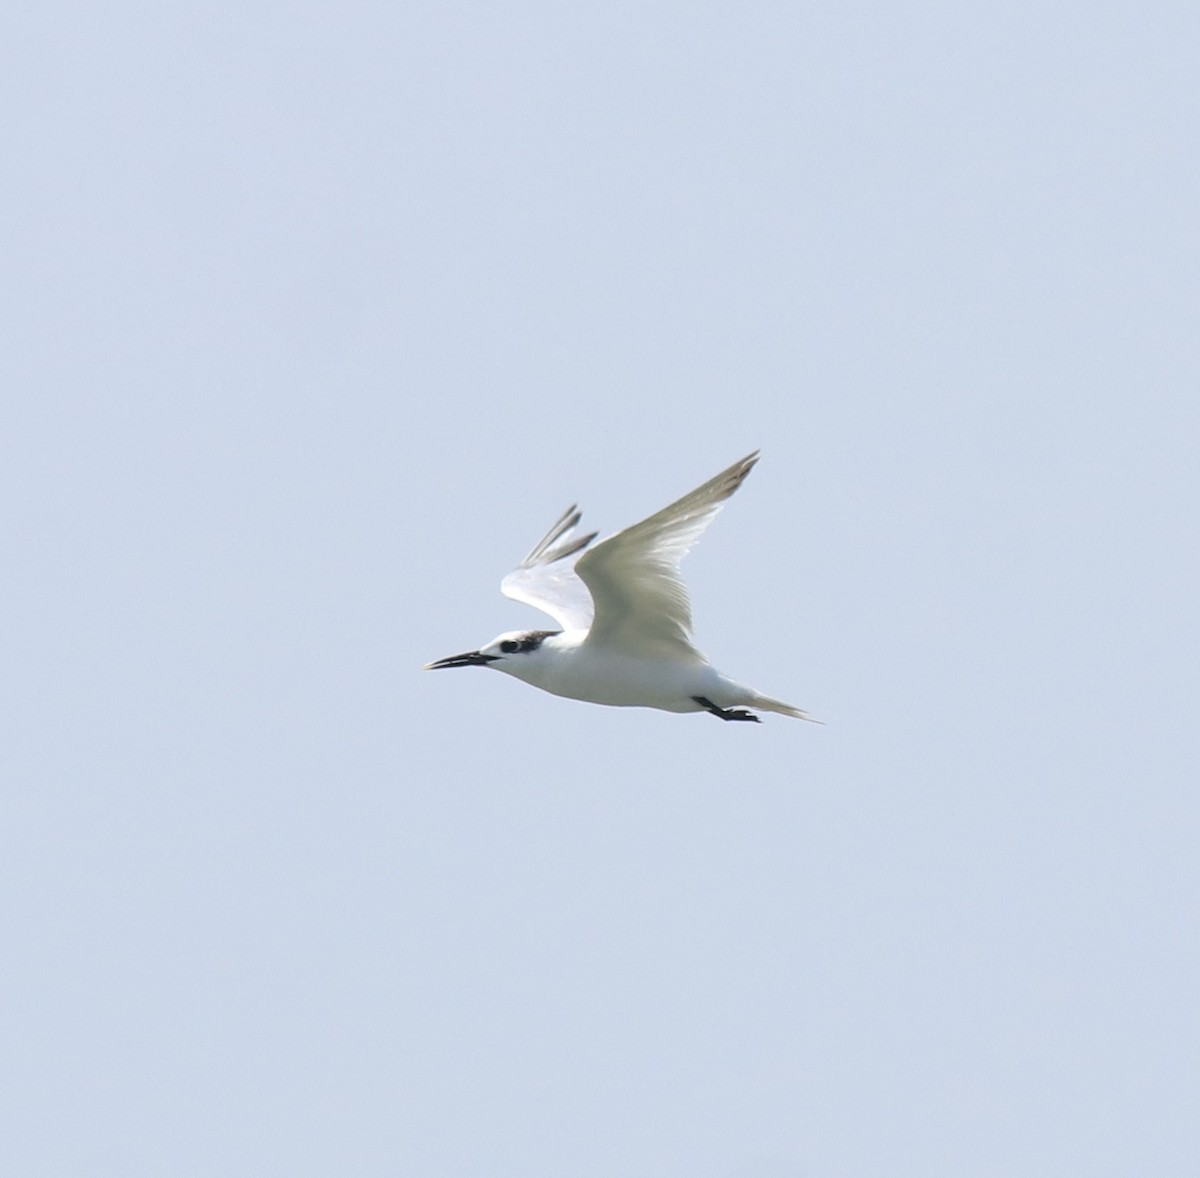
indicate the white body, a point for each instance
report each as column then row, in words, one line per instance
column 626, row 622
column 566, row 665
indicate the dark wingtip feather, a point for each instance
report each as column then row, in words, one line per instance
column 570, row 549
column 545, row 552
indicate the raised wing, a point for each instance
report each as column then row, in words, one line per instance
column 546, row 578
column 641, row 602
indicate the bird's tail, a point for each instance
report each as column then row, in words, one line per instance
column 765, row 703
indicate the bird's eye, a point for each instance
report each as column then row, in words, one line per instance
column 508, row 646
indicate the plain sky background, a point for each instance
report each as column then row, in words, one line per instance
column 316, row 316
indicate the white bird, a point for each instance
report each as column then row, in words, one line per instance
column 626, row 621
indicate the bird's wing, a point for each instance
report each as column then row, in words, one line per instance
column 546, row 578
column 641, row 602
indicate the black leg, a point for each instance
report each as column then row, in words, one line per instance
column 726, row 713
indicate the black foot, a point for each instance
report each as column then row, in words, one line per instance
column 726, row 713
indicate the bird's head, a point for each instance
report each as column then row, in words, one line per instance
column 514, row 652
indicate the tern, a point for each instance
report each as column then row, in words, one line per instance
column 626, row 620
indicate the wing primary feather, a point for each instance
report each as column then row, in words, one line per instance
column 545, row 550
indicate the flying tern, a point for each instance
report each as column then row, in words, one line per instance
column 626, row 621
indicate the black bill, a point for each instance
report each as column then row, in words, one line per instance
column 471, row 659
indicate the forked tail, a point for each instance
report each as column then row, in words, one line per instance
column 765, row 703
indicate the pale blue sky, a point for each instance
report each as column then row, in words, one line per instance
column 315, row 318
